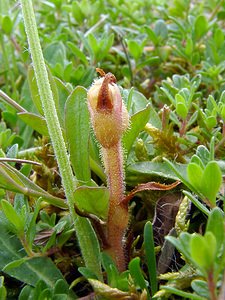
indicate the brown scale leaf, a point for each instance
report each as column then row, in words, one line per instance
column 150, row 186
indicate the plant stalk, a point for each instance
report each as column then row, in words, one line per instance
column 83, row 227
column 211, row 286
column 118, row 213
column 11, row 102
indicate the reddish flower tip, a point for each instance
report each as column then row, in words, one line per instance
column 104, row 96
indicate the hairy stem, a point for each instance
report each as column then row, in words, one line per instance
column 84, row 230
column 118, row 213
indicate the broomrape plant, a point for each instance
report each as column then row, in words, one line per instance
column 110, row 119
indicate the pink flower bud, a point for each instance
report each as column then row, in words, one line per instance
column 109, row 115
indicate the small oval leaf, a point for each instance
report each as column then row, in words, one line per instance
column 211, row 181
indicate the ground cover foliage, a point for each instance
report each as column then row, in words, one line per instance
column 169, row 61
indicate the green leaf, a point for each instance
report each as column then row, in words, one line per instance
column 169, row 95
column 222, row 112
column 197, row 203
column 3, row 292
column 7, row 25
column 197, row 160
column 26, row 293
column 77, row 12
column 152, row 171
column 86, row 273
column 137, row 123
column 150, row 61
column 211, row 181
column 34, row 89
column 12, row 151
column 215, row 224
column 135, row 101
column 181, row 106
column 93, row 200
column 15, row 263
column 203, row 153
column 200, row 287
column 36, row 122
column 182, row 294
column 32, row 270
column 61, row 287
column 202, row 253
column 189, row 47
column 59, row 297
column 68, row 71
column 181, row 110
column 181, row 174
column 210, row 122
column 41, row 286
column 79, row 54
column 90, row 246
column 45, row 294
column 55, row 53
column 212, row 149
column 150, row 256
column 200, row 26
column 50, row 243
column 123, row 281
column 93, row 43
column 11, row 179
column 196, row 81
column 211, row 246
column 31, row 227
column 136, row 273
column 77, row 133
column 63, row 93
column 113, row 276
column 151, row 34
column 79, row 73
column 198, row 251
column 182, row 244
column 12, row 216
column 135, row 49
column 104, row 46
column 10, row 117
column 195, row 174
column 218, row 37
column 129, row 96
column 35, row 93
column 161, row 29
